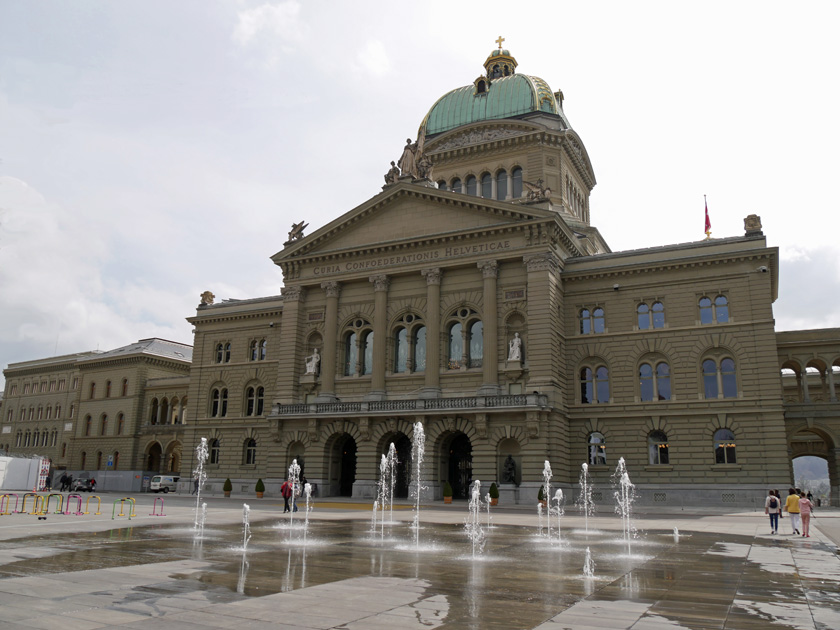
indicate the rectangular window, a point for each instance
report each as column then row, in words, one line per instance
column 52, row 386
column 75, row 382
column 13, row 390
column 44, row 386
column 25, row 389
column 72, row 410
column 62, row 385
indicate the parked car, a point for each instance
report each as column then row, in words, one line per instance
column 164, row 483
column 83, row 485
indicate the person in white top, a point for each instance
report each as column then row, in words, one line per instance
column 773, row 507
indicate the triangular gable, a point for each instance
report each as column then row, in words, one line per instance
column 408, row 212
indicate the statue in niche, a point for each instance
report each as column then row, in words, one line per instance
column 393, row 174
column 509, row 470
column 515, row 348
column 408, row 161
column 313, row 362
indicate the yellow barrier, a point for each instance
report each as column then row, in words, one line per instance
column 98, row 505
column 46, row 505
column 39, row 501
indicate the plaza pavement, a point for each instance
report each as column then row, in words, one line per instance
column 782, row 581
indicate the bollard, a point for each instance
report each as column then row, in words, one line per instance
column 133, row 504
column 154, row 507
column 98, row 506
column 78, row 511
column 46, row 504
column 29, row 494
column 4, row 510
column 39, row 503
column 17, row 498
column 122, row 505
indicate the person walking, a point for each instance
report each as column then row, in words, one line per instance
column 773, row 507
column 805, row 507
column 62, row 481
column 286, row 492
column 792, row 508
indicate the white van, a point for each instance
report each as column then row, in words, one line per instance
column 162, row 483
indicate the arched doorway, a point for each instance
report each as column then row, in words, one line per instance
column 459, row 468
column 173, row 458
column 154, row 457
column 403, row 447
column 814, row 463
column 343, row 474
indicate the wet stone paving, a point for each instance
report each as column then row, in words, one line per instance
column 345, row 577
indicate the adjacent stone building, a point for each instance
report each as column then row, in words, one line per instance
column 475, row 296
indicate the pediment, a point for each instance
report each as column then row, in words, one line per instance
column 408, row 213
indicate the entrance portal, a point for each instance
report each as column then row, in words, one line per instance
column 403, row 445
column 347, row 474
column 153, row 459
column 460, row 466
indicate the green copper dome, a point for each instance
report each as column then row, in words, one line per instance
column 504, row 97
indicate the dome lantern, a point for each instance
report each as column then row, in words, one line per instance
column 500, row 63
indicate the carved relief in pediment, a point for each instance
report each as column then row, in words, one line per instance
column 475, row 136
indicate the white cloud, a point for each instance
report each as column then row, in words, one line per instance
column 270, row 25
column 374, row 59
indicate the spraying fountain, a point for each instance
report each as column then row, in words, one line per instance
column 392, row 479
column 676, row 535
column 201, row 455
column 547, row 474
column 473, row 523
column 418, row 449
column 625, row 494
column 558, row 511
column 487, row 503
column 588, row 565
column 294, row 478
column 307, row 492
column 584, row 502
column 246, row 526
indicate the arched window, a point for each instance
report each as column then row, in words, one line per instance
column 103, row 425
column 367, row 346
column 252, row 350
column 57, row 412
column 721, row 309
column 717, row 313
column 63, row 450
column 92, row 390
column 263, row 349
column 643, row 316
column 719, row 378
column 44, row 438
column 227, row 352
column 124, row 387
column 456, row 346
column 472, row 185
column 35, row 437
column 476, row 344
column 724, row 447
column 220, row 352
column 597, row 444
column 420, row 349
column 592, row 321
column 516, row 183
column 153, row 413
column 214, row 451
column 107, row 389
column 250, row 458
column 501, row 185
column 120, row 424
column 654, row 382
column 40, row 412
column 49, row 413
column 594, row 385
column 350, row 354
column 658, row 315
column 18, row 439
column 441, row 184
column 87, row 425
column 401, row 351
column 116, row 460
column 255, row 397
column 487, row 186
column 481, row 87
column 658, row 448
column 219, row 400
column 54, row 438
column 456, row 185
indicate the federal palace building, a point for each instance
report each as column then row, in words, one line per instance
column 472, row 294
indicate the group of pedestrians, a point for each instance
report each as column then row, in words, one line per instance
column 797, row 505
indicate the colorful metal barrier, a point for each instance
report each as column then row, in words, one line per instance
column 154, row 507
column 39, row 502
column 98, row 505
column 131, row 505
column 46, row 504
column 78, row 511
column 8, row 496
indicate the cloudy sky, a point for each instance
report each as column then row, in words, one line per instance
column 150, row 150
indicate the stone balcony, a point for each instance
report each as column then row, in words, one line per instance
column 477, row 404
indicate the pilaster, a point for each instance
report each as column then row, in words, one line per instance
column 432, row 385
column 329, row 359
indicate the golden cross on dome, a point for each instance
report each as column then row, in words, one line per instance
column 499, row 41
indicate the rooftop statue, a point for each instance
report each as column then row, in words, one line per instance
column 393, row 174
column 296, row 233
column 207, row 298
column 408, row 161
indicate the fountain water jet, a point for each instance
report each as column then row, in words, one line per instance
column 487, row 503
column 307, row 492
column 558, row 512
column 418, row 449
column 473, row 523
column 392, row 479
column 588, row 565
column 246, row 526
column 382, row 491
column 676, row 535
column 625, row 494
column 540, row 517
column 294, row 478
column 547, row 474
column 584, row 502
column 201, row 455
column 373, row 519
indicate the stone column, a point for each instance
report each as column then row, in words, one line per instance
column 831, row 391
column 330, row 355
column 806, row 397
column 432, row 388
column 490, row 361
column 381, row 283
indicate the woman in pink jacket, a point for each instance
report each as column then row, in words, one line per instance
column 805, row 507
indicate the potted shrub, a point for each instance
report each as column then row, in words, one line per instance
column 259, row 488
column 227, row 487
column 447, row 493
column 494, row 494
column 541, row 496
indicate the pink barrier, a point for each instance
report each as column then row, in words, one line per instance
column 154, row 507
column 78, row 511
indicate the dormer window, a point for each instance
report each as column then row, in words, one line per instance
column 481, row 85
